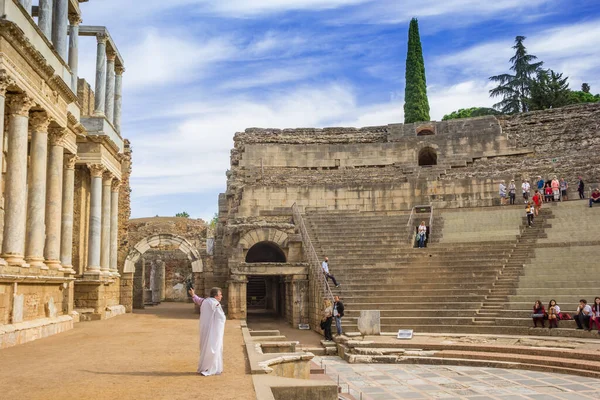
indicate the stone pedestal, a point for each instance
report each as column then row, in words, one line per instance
column 127, row 291
column 369, row 322
column 236, row 297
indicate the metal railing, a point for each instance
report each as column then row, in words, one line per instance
column 311, row 254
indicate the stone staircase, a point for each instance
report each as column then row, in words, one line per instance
column 479, row 285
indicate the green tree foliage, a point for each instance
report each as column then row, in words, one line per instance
column 549, row 90
column 585, row 88
column 514, row 89
column 214, row 221
column 416, row 105
column 183, row 214
column 577, row 97
column 470, row 113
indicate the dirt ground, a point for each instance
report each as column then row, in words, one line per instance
column 151, row 354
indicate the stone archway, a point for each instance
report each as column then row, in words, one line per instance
column 265, row 251
column 427, row 157
column 158, row 288
column 155, row 241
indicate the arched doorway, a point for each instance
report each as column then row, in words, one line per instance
column 163, row 267
column 265, row 252
column 427, row 157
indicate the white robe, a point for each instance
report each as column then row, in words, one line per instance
column 212, row 329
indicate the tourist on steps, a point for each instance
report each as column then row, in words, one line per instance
column 595, row 197
column 422, row 234
column 540, row 184
column 338, row 313
column 547, row 193
column 502, row 192
column 538, row 313
column 525, row 187
column 580, row 189
column 325, row 267
column 512, row 191
column 555, row 184
column 563, row 189
column 553, row 314
column 529, row 212
column 537, row 202
column 595, row 318
column 326, row 320
column 583, row 315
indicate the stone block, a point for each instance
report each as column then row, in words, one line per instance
column 18, row 307
column 51, row 311
column 369, row 322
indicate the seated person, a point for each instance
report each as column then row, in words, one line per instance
column 595, row 198
column 538, row 314
column 583, row 315
column 554, row 314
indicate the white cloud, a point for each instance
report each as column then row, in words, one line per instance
column 571, row 49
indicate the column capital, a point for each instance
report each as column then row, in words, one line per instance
column 39, row 122
column 101, row 38
column 5, row 82
column 20, row 104
column 96, row 170
column 111, row 55
column 57, row 136
column 75, row 19
column 107, row 178
column 116, row 185
column 70, row 161
column 119, row 70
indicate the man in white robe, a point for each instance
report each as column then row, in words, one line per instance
column 212, row 329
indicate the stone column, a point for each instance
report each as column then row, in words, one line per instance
column 236, row 297
column 15, row 192
column 26, row 5
column 54, row 190
column 114, row 227
column 105, row 224
column 100, row 103
column 60, row 27
column 68, row 200
column 119, row 70
column 93, row 266
column 36, row 203
column 45, row 17
column 5, row 82
column 74, row 20
column 110, row 87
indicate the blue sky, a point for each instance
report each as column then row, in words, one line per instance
column 200, row 70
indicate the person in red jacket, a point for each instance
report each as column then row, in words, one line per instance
column 538, row 313
column 595, row 198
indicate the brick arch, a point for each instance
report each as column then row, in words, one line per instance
column 161, row 240
column 263, row 235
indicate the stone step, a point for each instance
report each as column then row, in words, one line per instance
column 397, row 306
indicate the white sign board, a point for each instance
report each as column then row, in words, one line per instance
column 405, row 334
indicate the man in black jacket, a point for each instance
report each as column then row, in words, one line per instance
column 338, row 313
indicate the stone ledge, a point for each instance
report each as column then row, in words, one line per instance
column 23, row 332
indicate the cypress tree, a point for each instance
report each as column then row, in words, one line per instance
column 416, row 105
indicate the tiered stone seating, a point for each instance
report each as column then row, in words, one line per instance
column 565, row 264
column 481, row 277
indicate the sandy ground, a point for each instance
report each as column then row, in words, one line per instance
column 151, row 354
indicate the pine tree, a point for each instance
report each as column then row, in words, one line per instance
column 549, row 90
column 416, row 105
column 515, row 89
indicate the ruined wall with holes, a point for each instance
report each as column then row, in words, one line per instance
column 377, row 168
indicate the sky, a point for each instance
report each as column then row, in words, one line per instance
column 198, row 71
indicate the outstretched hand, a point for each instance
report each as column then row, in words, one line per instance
column 191, row 292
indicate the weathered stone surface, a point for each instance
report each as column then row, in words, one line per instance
column 369, row 322
column 51, row 311
column 18, row 308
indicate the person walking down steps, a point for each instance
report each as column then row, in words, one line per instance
column 325, row 267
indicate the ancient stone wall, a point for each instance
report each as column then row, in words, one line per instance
column 85, row 95
column 447, row 164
